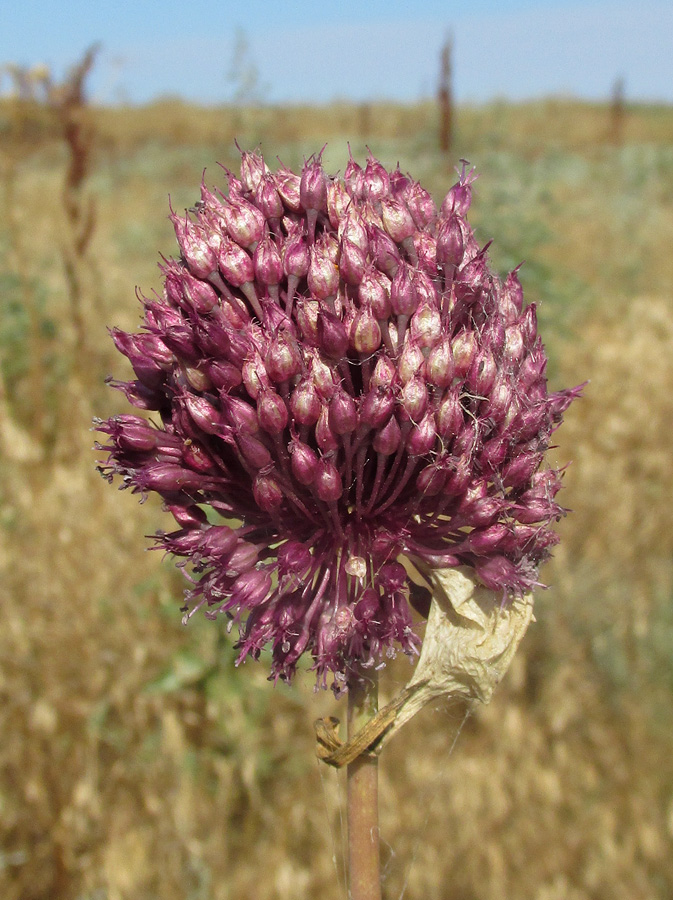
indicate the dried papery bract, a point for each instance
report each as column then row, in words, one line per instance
column 336, row 375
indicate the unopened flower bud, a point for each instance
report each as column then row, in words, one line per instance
column 323, row 274
column 267, row 262
column 439, row 368
column 305, row 403
column 327, row 482
column 303, row 461
column 235, row 264
column 365, row 331
column 332, row 335
column 283, row 358
column 313, row 186
column 403, row 296
column 376, row 181
column 272, row 411
column 422, row 436
column 387, row 440
column 244, row 223
column 288, row 186
column 267, row 493
column 450, row 416
column 268, row 199
column 383, row 251
column 295, row 254
column 352, row 263
column 374, row 290
column 414, row 399
column 253, row 170
column 255, row 453
column 194, row 246
column 250, row 588
column 338, row 201
column 325, row 438
column 397, row 219
column 377, row 406
column 463, row 350
column 343, row 416
column 450, row 243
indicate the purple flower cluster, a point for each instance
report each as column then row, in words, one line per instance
column 341, row 383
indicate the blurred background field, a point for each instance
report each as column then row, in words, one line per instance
column 135, row 760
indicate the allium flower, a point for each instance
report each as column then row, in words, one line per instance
column 341, row 385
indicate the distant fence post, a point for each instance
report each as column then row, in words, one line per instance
column 444, row 98
column 617, row 111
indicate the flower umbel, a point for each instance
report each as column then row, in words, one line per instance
column 341, row 385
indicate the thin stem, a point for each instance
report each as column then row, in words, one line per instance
column 364, row 871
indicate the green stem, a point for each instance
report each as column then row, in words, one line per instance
column 364, row 871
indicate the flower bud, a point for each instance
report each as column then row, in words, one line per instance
column 267, row 198
column 305, row 403
column 303, row 461
column 377, row 406
column 422, row 436
column 426, row 325
column 254, row 375
column 354, row 179
column 288, row 185
column 283, row 358
column 338, row 201
column 194, row 247
column 272, row 411
column 388, row 439
column 450, row 416
column 365, row 331
column 204, row 414
column 439, row 367
column 313, row 186
column 332, row 335
column 235, row 264
column 430, row 481
column 239, row 415
column 463, row 350
column 397, row 220
column 267, row 262
column 410, row 361
column 374, row 290
column 482, row 374
column 250, row 589
column 421, row 206
column 255, row 453
column 267, row 493
column 295, row 254
column 376, row 181
column 450, row 243
column 343, row 416
column 403, row 296
column 327, row 482
column 352, row 263
column 323, row 274
column 413, row 399
column 244, row 223
column 459, row 197
column 325, row 438
column 383, row 251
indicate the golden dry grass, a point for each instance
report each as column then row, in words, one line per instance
column 136, row 762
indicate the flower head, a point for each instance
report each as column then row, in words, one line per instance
column 342, row 386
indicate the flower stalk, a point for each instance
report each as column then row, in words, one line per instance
column 364, row 870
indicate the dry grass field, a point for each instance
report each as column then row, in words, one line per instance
column 135, row 760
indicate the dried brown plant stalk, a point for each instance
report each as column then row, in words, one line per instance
column 69, row 103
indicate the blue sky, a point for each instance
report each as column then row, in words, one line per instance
column 367, row 49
